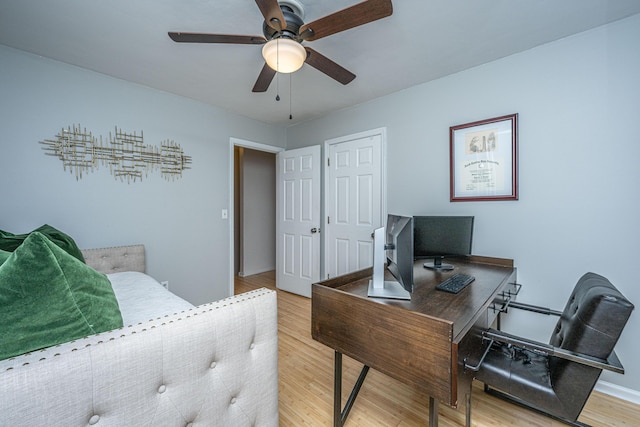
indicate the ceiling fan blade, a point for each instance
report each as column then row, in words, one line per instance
column 327, row 66
column 354, row 16
column 272, row 13
column 264, row 79
column 215, row 38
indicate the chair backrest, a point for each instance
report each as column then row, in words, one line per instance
column 590, row 324
column 593, row 319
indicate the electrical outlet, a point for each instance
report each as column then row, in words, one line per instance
column 165, row 284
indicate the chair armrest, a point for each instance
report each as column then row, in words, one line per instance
column 534, row 308
column 612, row 363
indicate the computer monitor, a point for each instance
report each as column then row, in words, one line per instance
column 393, row 245
column 438, row 237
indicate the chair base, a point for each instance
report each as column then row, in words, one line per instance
column 519, row 402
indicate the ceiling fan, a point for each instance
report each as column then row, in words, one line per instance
column 284, row 32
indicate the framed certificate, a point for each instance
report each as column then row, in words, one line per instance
column 483, row 160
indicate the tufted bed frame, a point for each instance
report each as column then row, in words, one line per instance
column 116, row 259
column 212, row 365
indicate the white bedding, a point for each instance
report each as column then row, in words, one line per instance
column 142, row 298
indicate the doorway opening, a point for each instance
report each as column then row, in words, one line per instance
column 252, row 203
column 255, row 211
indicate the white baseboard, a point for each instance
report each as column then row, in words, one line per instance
column 252, row 272
column 620, row 392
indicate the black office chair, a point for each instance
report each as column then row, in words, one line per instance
column 557, row 379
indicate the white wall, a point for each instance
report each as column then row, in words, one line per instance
column 578, row 102
column 179, row 222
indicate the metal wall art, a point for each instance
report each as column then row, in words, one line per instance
column 125, row 154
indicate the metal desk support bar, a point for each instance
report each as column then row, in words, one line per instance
column 340, row 415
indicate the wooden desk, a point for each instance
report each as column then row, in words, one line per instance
column 423, row 342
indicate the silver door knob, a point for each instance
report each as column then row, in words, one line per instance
column 314, row 230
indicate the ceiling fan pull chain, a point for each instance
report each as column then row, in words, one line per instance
column 290, row 96
column 277, row 68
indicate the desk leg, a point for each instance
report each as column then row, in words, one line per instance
column 468, row 410
column 337, row 390
column 340, row 415
column 433, row 412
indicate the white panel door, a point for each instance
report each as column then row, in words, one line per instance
column 354, row 201
column 298, row 227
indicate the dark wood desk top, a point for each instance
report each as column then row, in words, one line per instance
column 458, row 309
column 419, row 341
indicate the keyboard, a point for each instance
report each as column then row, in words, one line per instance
column 455, row 283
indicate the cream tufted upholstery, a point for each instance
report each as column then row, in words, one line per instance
column 116, row 259
column 213, row 365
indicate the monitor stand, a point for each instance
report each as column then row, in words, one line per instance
column 378, row 287
column 388, row 290
column 437, row 264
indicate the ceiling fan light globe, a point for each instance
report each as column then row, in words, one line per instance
column 284, row 55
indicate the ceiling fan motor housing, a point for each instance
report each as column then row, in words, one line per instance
column 294, row 22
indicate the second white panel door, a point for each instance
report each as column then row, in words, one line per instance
column 353, row 200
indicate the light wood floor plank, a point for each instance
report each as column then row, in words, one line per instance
column 306, row 385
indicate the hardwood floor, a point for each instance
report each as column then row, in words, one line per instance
column 306, row 385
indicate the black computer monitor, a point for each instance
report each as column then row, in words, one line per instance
column 438, row 237
column 393, row 246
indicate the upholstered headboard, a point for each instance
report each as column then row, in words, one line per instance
column 116, row 259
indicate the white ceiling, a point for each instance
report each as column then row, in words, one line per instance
column 423, row 40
